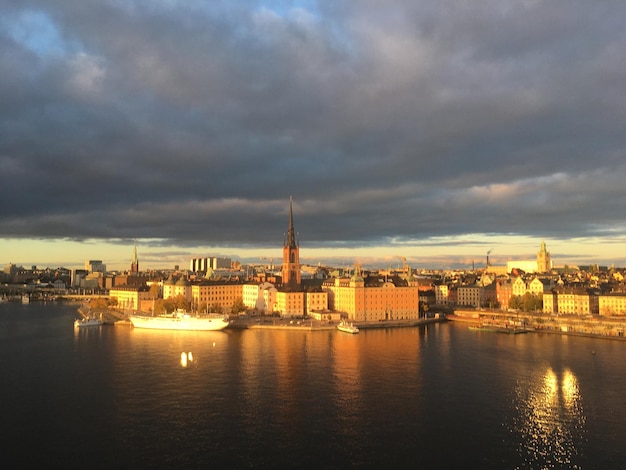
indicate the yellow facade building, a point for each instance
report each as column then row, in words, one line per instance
column 612, row 304
column 130, row 297
column 376, row 298
column 290, row 304
column 212, row 294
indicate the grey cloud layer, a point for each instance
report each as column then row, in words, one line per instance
column 384, row 120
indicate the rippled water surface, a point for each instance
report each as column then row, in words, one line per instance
column 439, row 396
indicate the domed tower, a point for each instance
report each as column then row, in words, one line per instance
column 291, row 255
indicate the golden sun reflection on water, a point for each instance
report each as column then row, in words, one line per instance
column 551, row 419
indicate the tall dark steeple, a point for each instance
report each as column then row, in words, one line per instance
column 134, row 265
column 291, row 255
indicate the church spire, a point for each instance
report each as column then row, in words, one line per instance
column 291, row 255
column 291, row 234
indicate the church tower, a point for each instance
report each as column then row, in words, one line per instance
column 291, row 255
column 544, row 264
column 134, row 265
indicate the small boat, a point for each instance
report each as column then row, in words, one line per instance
column 181, row 320
column 25, row 299
column 347, row 327
column 86, row 322
column 498, row 329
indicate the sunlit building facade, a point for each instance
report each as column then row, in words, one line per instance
column 130, row 297
column 470, row 295
column 216, row 294
column 290, row 304
column 612, row 304
column 576, row 301
column 375, row 298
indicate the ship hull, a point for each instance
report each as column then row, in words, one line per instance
column 186, row 323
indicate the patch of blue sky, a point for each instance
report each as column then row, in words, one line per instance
column 284, row 8
column 37, row 32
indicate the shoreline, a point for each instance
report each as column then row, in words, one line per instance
column 564, row 325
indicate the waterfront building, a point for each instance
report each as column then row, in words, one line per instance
column 612, row 304
column 174, row 288
column 316, row 301
column 550, row 305
column 441, row 294
column 572, row 300
column 373, row 298
column 470, row 295
column 259, row 297
column 504, row 291
column 290, row 304
column 130, row 297
column 217, row 293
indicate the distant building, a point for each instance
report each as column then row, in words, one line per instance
column 544, row 264
column 211, row 263
column 11, row 269
column 94, row 266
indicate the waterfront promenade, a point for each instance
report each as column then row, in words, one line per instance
column 594, row 326
column 576, row 325
column 118, row 317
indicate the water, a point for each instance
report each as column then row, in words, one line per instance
column 439, row 396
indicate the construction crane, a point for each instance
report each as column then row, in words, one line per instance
column 271, row 260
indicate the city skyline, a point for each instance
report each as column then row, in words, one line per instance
column 433, row 131
column 452, row 257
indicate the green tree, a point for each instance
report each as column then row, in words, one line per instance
column 215, row 308
column 155, row 291
column 238, row 306
column 515, row 302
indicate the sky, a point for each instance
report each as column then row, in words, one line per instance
column 437, row 131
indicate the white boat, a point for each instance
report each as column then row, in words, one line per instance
column 180, row 320
column 86, row 322
column 25, row 299
column 347, row 327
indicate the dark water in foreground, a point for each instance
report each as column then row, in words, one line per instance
column 439, row 396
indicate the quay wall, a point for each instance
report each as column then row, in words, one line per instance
column 578, row 325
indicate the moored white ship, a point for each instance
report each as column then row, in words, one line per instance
column 180, row 320
column 347, row 327
column 85, row 322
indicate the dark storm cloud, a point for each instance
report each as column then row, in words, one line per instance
column 384, row 120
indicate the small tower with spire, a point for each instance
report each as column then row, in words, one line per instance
column 134, row 265
column 291, row 255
